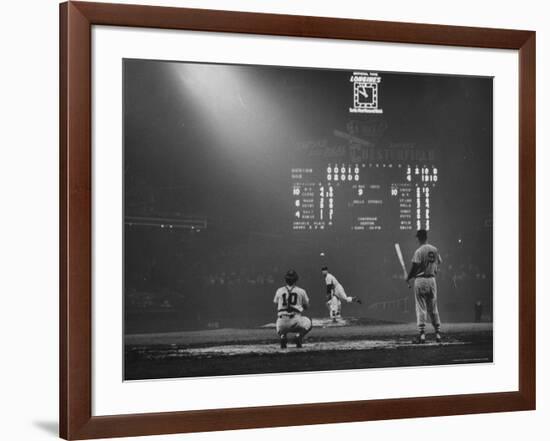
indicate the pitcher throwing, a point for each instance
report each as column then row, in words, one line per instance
column 335, row 295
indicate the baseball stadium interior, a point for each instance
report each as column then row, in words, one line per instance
column 233, row 174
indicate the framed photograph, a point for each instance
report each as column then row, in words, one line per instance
column 257, row 204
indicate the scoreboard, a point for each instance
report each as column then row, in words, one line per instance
column 369, row 196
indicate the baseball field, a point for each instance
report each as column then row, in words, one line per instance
column 349, row 345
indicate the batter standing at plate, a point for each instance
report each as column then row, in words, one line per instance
column 425, row 263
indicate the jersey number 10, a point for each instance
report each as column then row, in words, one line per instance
column 292, row 299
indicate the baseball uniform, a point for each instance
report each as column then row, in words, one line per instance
column 427, row 259
column 337, row 295
column 291, row 302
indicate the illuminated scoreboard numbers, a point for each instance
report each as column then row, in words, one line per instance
column 326, row 202
column 390, row 196
column 342, row 173
column 423, row 215
column 330, row 196
column 423, row 178
column 314, row 197
column 321, row 201
column 429, row 174
column 422, row 174
column 426, row 191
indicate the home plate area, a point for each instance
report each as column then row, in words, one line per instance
column 344, row 345
column 338, row 345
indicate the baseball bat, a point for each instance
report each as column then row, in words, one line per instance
column 401, row 260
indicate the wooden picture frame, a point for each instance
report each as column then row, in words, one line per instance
column 76, row 21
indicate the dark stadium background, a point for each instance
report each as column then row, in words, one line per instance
column 208, row 151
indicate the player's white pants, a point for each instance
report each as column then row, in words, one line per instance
column 425, row 294
column 335, row 302
column 341, row 294
column 334, row 307
column 295, row 323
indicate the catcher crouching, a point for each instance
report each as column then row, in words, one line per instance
column 291, row 302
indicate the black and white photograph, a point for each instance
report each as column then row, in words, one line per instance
column 227, row 220
column 284, row 219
